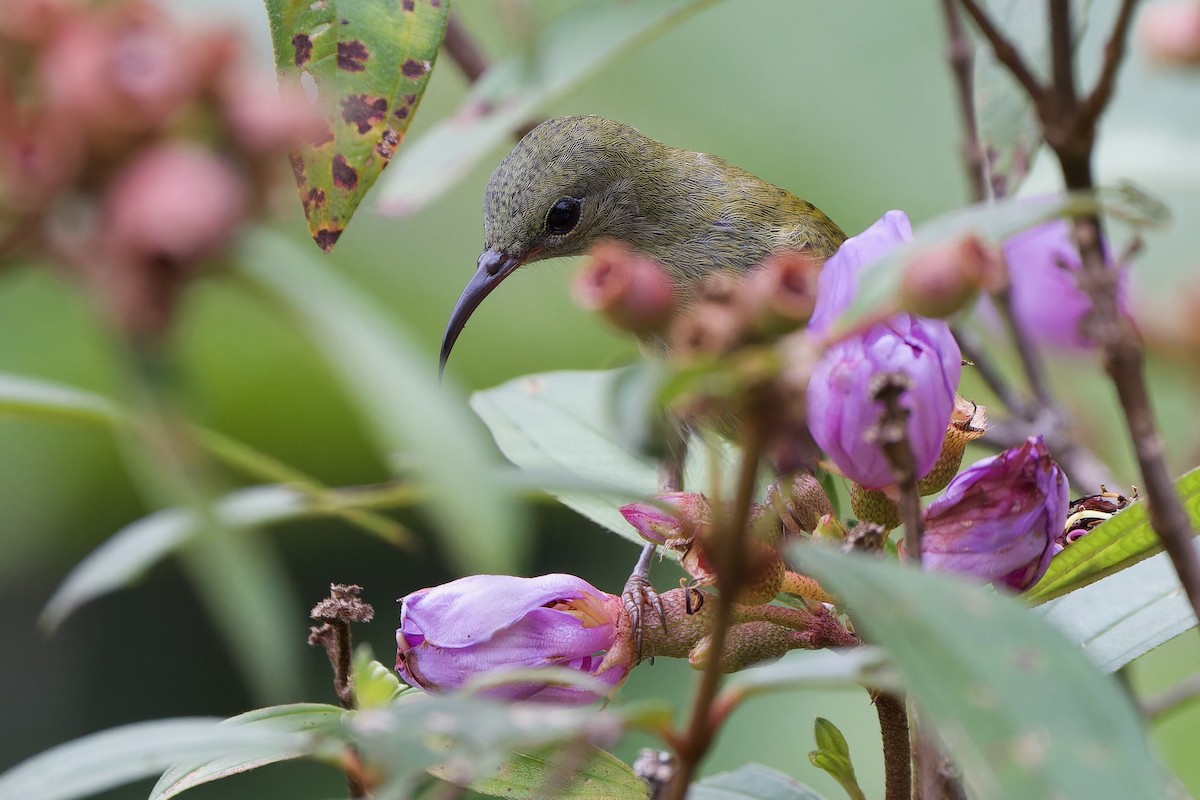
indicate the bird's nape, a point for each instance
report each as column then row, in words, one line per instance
column 494, row 267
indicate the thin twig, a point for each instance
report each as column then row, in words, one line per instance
column 1031, row 361
column 987, row 370
column 1062, row 55
column 1114, row 53
column 960, row 54
column 1005, row 51
column 463, row 50
column 731, row 565
column 1159, row 705
column 897, row 763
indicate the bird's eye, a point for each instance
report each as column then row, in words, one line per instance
column 563, row 216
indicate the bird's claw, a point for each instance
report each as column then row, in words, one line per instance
column 638, row 596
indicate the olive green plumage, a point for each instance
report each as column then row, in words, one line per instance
column 691, row 211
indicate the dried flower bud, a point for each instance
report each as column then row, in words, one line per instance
column 632, row 291
column 942, row 279
column 1171, row 31
column 968, row 422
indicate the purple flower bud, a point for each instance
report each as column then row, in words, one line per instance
column 1047, row 303
column 483, row 624
column 999, row 518
column 840, row 408
column 655, row 525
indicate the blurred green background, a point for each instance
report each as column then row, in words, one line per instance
column 848, row 104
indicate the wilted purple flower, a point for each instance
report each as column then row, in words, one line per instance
column 999, row 518
column 1048, row 305
column 840, row 408
column 483, row 624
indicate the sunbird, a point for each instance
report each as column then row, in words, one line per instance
column 574, row 181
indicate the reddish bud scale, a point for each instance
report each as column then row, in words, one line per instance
column 631, row 291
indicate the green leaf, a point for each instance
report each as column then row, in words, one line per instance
column 1018, row 707
column 40, row 399
column 368, row 63
column 114, row 757
column 570, row 49
column 751, row 782
column 374, row 684
column 418, row 424
column 1125, row 615
column 128, row 553
column 296, row 718
column 599, row 776
column 1113, row 545
column 562, row 423
column 833, row 756
column 817, row 668
column 470, row 737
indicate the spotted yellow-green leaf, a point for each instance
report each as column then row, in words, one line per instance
column 599, row 776
column 365, row 64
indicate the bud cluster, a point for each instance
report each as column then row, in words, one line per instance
column 132, row 148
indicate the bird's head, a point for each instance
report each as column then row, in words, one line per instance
column 568, row 183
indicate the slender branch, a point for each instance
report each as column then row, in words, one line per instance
column 960, row 54
column 463, row 50
column 1005, row 51
column 1031, row 361
column 897, row 763
column 986, row 369
column 1114, row 53
column 1062, row 55
column 730, row 559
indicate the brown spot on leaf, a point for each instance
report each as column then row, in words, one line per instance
column 410, row 5
column 364, row 111
column 303, row 47
column 344, row 175
column 314, row 199
column 387, row 144
column 326, row 238
column 410, row 99
column 401, row 112
column 435, row 3
column 322, row 134
column 352, row 56
column 413, row 69
column 297, row 162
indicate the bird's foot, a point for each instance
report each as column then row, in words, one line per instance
column 640, row 598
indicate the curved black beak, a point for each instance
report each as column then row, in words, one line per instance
column 494, row 266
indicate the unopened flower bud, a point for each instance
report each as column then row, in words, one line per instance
column 707, row 330
column 781, row 293
column 689, row 517
column 942, row 279
column 999, row 518
column 1171, row 31
column 632, row 291
column 873, row 505
column 800, row 501
column 841, row 408
column 175, row 204
column 482, row 624
column 968, row 422
column 829, row 529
